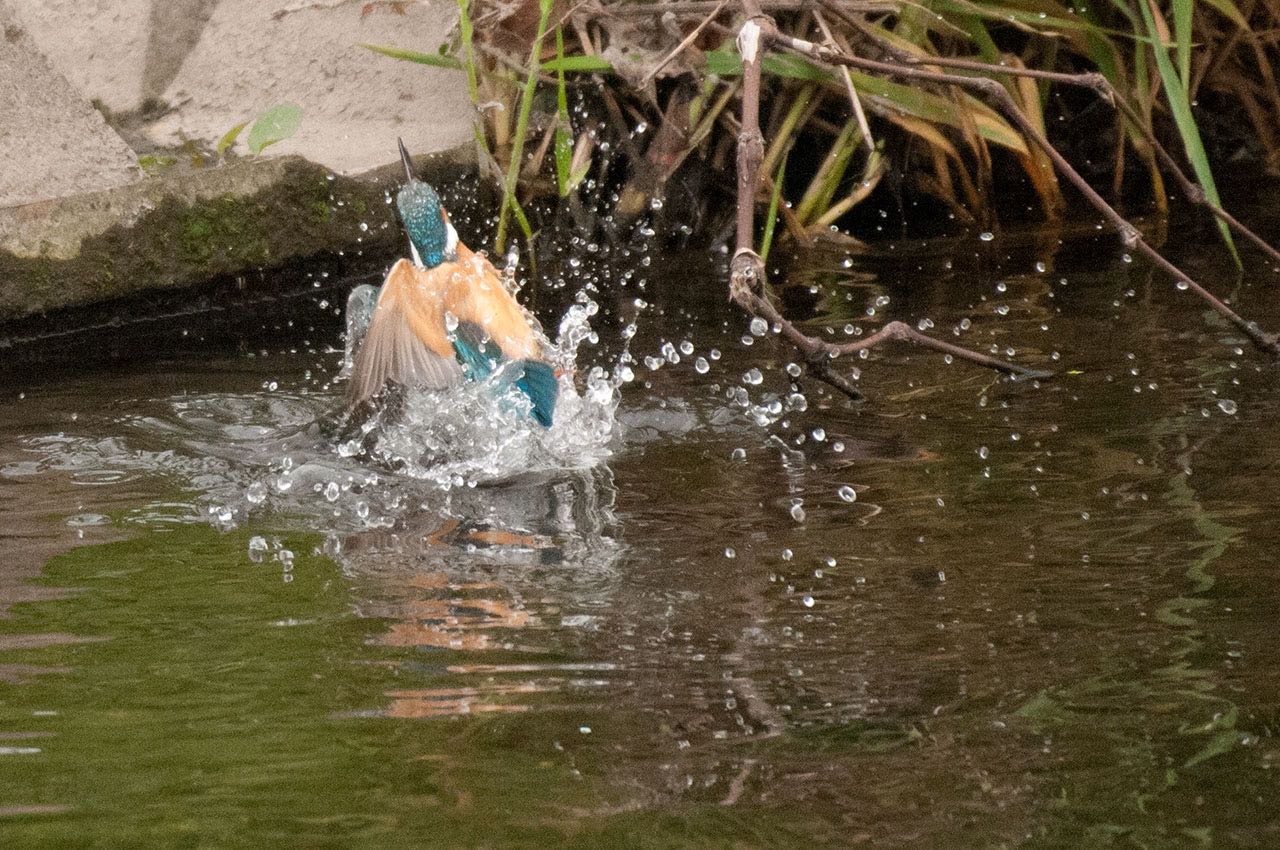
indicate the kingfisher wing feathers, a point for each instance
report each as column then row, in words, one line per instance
column 476, row 295
column 405, row 342
column 408, row 341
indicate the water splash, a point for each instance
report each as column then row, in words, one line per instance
column 481, row 432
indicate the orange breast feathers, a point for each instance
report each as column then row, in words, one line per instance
column 469, row 289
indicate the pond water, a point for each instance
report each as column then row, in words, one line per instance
column 968, row 612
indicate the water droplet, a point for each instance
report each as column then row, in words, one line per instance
column 729, row 552
column 847, row 493
column 1182, row 284
column 986, row 236
column 797, row 512
column 753, row 377
column 701, row 366
column 1228, row 406
column 256, row 493
column 984, row 452
column 759, row 327
column 332, row 491
column 807, row 600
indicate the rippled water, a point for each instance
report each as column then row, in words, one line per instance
column 717, row 609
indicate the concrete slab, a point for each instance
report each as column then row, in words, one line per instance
column 52, row 142
column 254, row 54
column 100, row 46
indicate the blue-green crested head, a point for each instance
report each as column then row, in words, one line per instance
column 424, row 219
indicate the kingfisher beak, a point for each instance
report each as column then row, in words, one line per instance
column 404, row 158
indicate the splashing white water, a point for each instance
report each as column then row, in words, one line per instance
column 481, row 433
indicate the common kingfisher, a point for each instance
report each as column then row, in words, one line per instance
column 445, row 317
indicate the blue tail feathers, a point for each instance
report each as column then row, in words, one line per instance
column 480, row 356
column 540, row 385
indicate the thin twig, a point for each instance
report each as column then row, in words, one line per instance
column 680, row 48
column 854, row 101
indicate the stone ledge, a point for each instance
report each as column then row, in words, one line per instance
column 185, row 227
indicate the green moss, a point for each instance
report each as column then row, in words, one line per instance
column 222, row 232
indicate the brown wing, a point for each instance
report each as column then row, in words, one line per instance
column 397, row 347
column 476, row 294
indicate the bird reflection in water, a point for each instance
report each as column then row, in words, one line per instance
column 460, row 578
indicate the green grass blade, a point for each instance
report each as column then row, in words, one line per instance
column 436, row 60
column 563, row 138
column 522, row 127
column 771, row 219
column 1180, row 106
column 578, row 65
column 1182, row 38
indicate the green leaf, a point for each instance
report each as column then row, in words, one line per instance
column 275, row 125
column 229, row 138
column 727, row 63
column 436, row 60
column 1180, row 106
column 578, row 64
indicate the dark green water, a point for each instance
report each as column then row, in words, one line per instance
column 1048, row 619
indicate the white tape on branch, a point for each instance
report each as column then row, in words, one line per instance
column 749, row 41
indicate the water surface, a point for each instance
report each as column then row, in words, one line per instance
column 735, row 612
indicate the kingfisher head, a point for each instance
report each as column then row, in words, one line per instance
column 432, row 239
